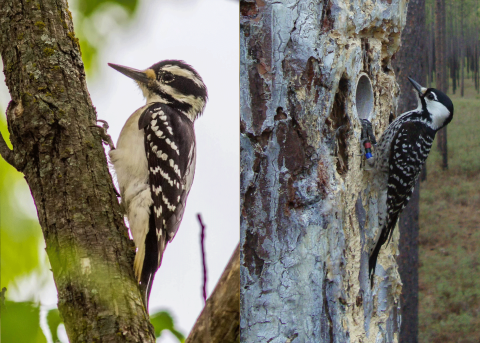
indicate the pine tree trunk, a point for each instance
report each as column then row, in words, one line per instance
column 431, row 49
column 410, row 61
column 462, row 51
column 308, row 210
column 50, row 120
column 441, row 75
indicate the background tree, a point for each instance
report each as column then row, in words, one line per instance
column 410, row 60
column 308, row 211
column 452, row 43
column 448, row 215
column 441, row 70
column 460, row 29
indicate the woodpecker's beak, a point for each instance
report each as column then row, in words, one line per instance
column 421, row 90
column 137, row 75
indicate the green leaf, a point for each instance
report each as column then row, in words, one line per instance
column 89, row 51
column 20, row 236
column 53, row 321
column 19, row 254
column 21, row 323
column 163, row 321
column 87, row 7
column 90, row 39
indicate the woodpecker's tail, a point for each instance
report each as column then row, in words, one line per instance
column 372, row 262
column 152, row 260
column 384, row 237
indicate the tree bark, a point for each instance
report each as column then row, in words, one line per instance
column 308, row 209
column 411, row 60
column 408, row 267
column 219, row 321
column 441, row 71
column 462, row 51
column 50, row 120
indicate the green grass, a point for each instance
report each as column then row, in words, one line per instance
column 449, row 237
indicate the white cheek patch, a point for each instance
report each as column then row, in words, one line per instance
column 176, row 70
column 438, row 111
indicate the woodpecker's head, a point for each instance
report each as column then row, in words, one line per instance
column 436, row 103
column 171, row 82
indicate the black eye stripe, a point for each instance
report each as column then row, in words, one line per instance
column 166, row 76
column 431, row 96
column 185, row 85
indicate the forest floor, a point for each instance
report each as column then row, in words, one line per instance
column 449, row 270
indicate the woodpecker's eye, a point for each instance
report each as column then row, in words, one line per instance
column 167, row 77
column 431, row 96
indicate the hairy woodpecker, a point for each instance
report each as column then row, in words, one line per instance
column 400, row 155
column 154, row 160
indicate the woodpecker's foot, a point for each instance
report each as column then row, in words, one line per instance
column 367, row 131
column 367, row 139
column 107, row 140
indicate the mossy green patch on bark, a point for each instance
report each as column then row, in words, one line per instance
column 9, row 67
column 74, row 39
column 48, row 51
column 40, row 25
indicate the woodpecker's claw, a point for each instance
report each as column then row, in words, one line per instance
column 107, row 140
column 367, row 139
column 367, row 131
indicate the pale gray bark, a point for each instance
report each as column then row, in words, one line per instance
column 308, row 211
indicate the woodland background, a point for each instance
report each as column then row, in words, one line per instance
column 449, row 217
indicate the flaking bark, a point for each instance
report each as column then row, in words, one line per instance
column 309, row 215
column 50, row 120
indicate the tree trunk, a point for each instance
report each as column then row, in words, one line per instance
column 462, row 51
column 219, row 321
column 50, row 120
column 308, row 209
column 408, row 267
column 410, row 60
column 441, row 75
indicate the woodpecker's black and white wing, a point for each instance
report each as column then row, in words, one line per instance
column 409, row 150
column 170, row 149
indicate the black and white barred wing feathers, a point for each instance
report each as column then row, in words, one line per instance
column 409, row 150
column 170, row 148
